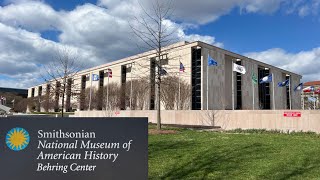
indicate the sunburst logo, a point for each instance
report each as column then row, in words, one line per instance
column 17, row 139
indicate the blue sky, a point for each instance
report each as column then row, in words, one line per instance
column 258, row 32
column 283, row 33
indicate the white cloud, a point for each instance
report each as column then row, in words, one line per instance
column 196, row 37
column 304, row 11
column 303, row 7
column 101, row 33
column 22, row 52
column 18, row 82
column 200, row 12
column 96, row 33
column 19, row 1
column 34, row 16
column 305, row 63
column 205, row 11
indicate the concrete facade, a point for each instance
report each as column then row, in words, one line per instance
column 219, row 77
column 220, row 80
column 227, row 120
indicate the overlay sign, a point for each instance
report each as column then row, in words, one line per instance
column 48, row 148
column 292, row 114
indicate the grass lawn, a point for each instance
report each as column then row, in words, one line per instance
column 192, row 154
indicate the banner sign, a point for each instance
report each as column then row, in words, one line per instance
column 292, row 114
column 47, row 148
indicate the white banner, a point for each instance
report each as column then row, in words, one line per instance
column 312, row 99
column 239, row 69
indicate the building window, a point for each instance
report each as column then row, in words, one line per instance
column 238, row 88
column 48, row 89
column 83, row 82
column 40, row 91
column 101, row 79
column 47, row 98
column 83, row 92
column 68, row 93
column 57, row 94
column 264, row 89
column 152, row 83
column 100, row 90
column 32, row 92
column 196, row 79
column 123, row 87
column 288, row 92
column 39, row 98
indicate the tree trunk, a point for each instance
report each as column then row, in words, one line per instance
column 158, row 92
column 64, row 90
column 158, row 106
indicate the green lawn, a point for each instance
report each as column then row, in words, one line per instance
column 213, row 155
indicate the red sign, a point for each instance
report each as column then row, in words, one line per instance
column 292, row 114
column 117, row 112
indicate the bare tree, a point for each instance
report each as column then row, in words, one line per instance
column 60, row 76
column 85, row 95
column 140, row 91
column 185, row 96
column 170, row 93
column 114, row 99
column 96, row 100
column 21, row 106
column 154, row 31
column 46, row 101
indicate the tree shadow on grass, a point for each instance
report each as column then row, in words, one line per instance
column 288, row 171
column 211, row 163
column 160, row 146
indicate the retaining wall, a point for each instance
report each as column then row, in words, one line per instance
column 226, row 119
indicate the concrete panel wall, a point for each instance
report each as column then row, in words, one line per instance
column 215, row 79
column 248, row 87
column 283, row 92
column 256, row 87
column 296, row 95
column 228, row 82
column 29, row 92
column 227, row 120
column 220, row 89
column 36, row 90
column 279, row 94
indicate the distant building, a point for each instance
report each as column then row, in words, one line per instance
column 210, row 86
column 20, row 92
column 312, row 83
column 310, row 95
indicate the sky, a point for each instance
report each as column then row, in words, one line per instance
column 283, row 33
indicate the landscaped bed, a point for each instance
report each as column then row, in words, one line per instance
column 190, row 154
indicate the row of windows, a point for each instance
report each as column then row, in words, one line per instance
column 263, row 89
column 196, row 79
